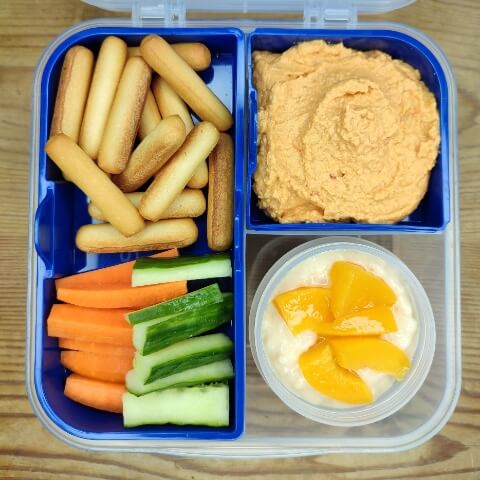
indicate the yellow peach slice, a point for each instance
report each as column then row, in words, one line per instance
column 323, row 374
column 370, row 321
column 370, row 352
column 304, row 308
column 354, row 288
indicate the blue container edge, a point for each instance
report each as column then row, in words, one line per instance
column 199, row 433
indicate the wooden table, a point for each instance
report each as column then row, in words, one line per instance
column 28, row 451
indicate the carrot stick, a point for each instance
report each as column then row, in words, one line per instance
column 95, row 347
column 110, row 368
column 116, row 275
column 119, row 296
column 95, row 393
column 111, row 287
column 90, row 324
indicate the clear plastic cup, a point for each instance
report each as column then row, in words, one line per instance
column 395, row 397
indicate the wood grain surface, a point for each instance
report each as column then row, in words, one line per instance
column 28, row 451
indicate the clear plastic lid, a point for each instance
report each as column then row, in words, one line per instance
column 321, row 10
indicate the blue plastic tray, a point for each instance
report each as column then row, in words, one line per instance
column 63, row 209
column 433, row 213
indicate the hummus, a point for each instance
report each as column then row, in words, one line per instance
column 342, row 135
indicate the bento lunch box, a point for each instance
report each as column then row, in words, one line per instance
column 427, row 241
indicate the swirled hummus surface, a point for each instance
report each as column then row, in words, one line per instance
column 342, row 135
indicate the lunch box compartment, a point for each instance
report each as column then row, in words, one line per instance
column 433, row 213
column 407, row 426
column 63, row 209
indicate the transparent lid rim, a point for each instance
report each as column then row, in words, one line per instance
column 253, row 6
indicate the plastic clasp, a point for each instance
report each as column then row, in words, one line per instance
column 326, row 12
column 165, row 12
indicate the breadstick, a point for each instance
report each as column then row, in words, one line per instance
column 197, row 55
column 200, row 176
column 220, row 195
column 183, row 79
column 103, row 238
column 150, row 116
column 72, row 92
column 108, row 69
column 189, row 204
column 172, row 178
column 170, row 103
column 152, row 154
column 83, row 171
column 124, row 117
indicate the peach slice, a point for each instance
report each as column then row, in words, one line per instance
column 323, row 374
column 370, row 352
column 354, row 288
column 370, row 321
column 304, row 308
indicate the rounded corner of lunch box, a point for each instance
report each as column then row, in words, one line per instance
column 433, row 426
column 59, row 44
column 422, row 38
column 44, row 412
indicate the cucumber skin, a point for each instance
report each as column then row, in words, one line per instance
column 195, row 360
column 184, row 348
column 186, row 325
column 147, row 263
column 220, row 371
column 143, row 365
column 150, row 271
column 204, row 296
column 174, row 406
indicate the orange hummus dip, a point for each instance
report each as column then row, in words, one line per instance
column 342, row 135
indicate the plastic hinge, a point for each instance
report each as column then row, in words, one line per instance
column 165, row 12
column 325, row 12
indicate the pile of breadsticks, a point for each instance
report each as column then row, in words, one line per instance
column 102, row 107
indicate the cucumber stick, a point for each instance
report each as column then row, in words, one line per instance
column 190, row 301
column 182, row 356
column 148, row 271
column 213, row 372
column 199, row 405
column 152, row 336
